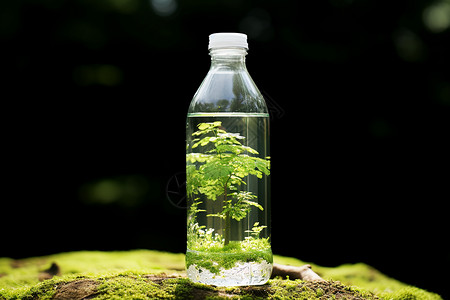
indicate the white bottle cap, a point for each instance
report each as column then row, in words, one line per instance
column 227, row 40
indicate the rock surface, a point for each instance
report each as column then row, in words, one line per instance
column 145, row 274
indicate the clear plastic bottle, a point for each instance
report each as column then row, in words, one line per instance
column 228, row 172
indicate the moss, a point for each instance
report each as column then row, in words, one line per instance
column 297, row 289
column 365, row 278
column 130, row 287
column 137, row 275
column 226, row 257
column 22, row 276
column 411, row 293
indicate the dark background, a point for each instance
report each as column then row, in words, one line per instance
column 94, row 101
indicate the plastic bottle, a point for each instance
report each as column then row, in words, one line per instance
column 228, row 172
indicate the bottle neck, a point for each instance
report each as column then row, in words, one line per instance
column 228, row 58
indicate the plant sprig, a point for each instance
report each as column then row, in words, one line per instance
column 223, row 168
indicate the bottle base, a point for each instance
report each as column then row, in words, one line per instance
column 243, row 273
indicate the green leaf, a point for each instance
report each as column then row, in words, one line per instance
column 250, row 150
column 216, row 170
column 198, row 157
column 222, row 216
column 253, row 204
column 203, row 126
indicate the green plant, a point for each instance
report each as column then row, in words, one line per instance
column 256, row 230
column 219, row 171
column 198, row 236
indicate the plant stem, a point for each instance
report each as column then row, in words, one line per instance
column 218, row 152
column 227, row 216
column 227, row 228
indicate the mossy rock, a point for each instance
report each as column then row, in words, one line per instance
column 145, row 274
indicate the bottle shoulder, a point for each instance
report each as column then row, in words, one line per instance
column 228, row 92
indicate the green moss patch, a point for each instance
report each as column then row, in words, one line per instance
column 226, row 257
column 146, row 274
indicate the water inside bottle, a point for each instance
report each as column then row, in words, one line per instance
column 254, row 265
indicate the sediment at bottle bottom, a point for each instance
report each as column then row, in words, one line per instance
column 242, row 273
